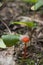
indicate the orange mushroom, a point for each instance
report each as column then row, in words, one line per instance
column 25, row 40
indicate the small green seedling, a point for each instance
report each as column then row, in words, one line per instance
column 28, row 24
column 37, row 5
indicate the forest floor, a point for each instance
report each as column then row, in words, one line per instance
column 15, row 11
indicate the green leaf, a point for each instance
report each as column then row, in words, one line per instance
column 30, row 1
column 2, row 44
column 29, row 24
column 10, row 40
column 37, row 5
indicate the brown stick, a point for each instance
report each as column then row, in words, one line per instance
column 6, row 26
column 32, row 19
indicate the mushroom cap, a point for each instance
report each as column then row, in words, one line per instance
column 25, row 39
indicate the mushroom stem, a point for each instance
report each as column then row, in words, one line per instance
column 25, row 49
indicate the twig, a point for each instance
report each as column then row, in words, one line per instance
column 6, row 26
column 32, row 19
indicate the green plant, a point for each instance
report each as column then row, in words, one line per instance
column 29, row 24
column 2, row 45
column 38, row 4
column 10, row 40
